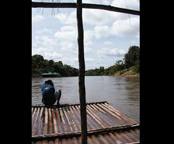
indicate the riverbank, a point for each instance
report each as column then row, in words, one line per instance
column 127, row 73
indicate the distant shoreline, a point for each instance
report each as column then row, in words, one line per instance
column 115, row 75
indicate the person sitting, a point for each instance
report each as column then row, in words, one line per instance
column 49, row 95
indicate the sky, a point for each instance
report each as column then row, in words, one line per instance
column 107, row 35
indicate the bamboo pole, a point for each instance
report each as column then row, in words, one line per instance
column 112, row 120
column 61, row 115
column 97, row 116
column 40, row 121
column 131, row 121
column 102, row 139
column 98, row 108
column 77, row 113
column 59, row 130
column 74, row 120
column 77, row 122
column 49, row 121
column 69, row 124
column 123, row 118
column 57, row 141
column 75, row 141
column 94, row 139
column 64, row 123
column 109, row 139
column 112, row 136
column 54, row 122
column 46, row 121
column 33, row 114
column 89, row 140
column 134, row 135
column 109, row 112
column 104, row 117
column 128, row 139
column 130, row 135
column 137, row 133
column 88, row 119
column 82, row 93
column 35, row 123
column 119, row 138
column 93, row 127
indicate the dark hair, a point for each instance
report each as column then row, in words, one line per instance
column 49, row 82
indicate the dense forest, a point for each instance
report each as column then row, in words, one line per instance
column 41, row 65
column 130, row 64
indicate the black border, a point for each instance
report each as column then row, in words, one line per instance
column 16, row 71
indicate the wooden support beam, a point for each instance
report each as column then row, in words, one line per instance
column 84, row 5
column 111, row 8
column 53, row 5
column 82, row 92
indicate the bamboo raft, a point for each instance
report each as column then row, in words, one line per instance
column 105, row 125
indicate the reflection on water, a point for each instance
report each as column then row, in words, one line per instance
column 121, row 92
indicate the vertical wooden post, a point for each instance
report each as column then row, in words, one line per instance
column 82, row 93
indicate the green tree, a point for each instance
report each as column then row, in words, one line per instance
column 41, row 65
column 119, row 65
column 132, row 55
column 37, row 64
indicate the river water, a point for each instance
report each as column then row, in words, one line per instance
column 123, row 93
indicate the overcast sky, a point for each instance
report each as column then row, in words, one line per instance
column 107, row 35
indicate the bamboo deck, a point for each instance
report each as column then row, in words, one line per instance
column 105, row 125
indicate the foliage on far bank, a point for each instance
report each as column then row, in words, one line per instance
column 130, row 65
column 41, row 65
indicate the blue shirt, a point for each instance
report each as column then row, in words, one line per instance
column 48, row 97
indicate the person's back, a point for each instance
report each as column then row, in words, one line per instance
column 48, row 90
column 49, row 95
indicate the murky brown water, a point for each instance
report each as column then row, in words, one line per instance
column 123, row 93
